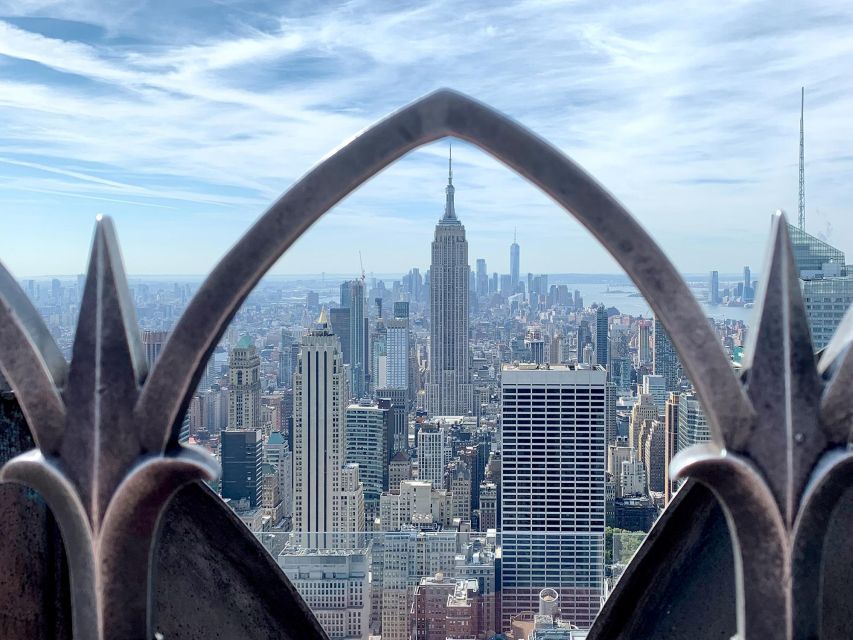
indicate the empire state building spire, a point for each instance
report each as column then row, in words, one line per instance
column 449, row 206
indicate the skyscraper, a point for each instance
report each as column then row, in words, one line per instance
column 665, row 362
column 321, row 395
column 601, row 336
column 366, row 430
column 714, row 288
column 671, row 442
column 397, row 348
column 514, row 263
column 482, row 278
column 692, row 423
column 827, row 286
column 244, row 398
column 152, row 342
column 242, row 456
column 553, row 483
column 340, row 321
column 449, row 391
column 643, row 342
column 352, row 298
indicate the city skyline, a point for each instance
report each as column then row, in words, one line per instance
column 197, row 137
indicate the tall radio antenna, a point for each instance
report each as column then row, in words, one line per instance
column 802, row 163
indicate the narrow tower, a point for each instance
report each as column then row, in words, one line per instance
column 449, row 391
column 514, row 263
column 802, row 163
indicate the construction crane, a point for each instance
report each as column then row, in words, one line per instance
column 361, row 262
column 802, row 220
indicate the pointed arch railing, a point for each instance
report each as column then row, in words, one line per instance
column 109, row 464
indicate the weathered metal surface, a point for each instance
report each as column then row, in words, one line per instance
column 216, row 582
column 680, row 585
column 780, row 484
column 34, row 597
column 108, row 461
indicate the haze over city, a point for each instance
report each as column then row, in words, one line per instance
column 185, row 121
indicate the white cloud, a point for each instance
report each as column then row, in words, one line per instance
column 688, row 113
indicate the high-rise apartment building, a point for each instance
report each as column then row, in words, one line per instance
column 449, row 392
column 320, row 387
column 553, row 485
column 244, row 383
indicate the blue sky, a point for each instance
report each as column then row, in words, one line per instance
column 184, row 120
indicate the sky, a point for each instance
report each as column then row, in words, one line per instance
column 183, row 120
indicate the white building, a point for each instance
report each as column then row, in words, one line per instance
column 336, row 586
column 416, row 503
column 433, row 453
column 655, row 386
column 351, row 525
column 407, row 557
column 692, row 424
column 553, row 487
column 320, row 387
column 632, row 478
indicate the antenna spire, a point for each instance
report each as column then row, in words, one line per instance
column 449, row 206
column 802, row 220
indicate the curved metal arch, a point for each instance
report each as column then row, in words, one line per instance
column 443, row 113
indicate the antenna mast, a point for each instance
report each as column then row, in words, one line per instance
column 802, row 163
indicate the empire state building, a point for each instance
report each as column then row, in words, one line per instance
column 449, row 392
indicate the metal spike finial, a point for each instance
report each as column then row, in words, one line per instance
column 450, row 163
column 793, row 466
column 105, row 487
